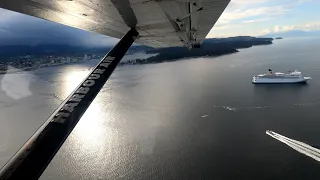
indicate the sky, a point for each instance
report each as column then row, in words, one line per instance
column 241, row 17
column 260, row 17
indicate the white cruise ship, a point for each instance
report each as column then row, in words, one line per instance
column 278, row 77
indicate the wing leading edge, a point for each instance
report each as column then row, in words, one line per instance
column 160, row 23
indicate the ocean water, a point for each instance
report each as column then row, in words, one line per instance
column 198, row 118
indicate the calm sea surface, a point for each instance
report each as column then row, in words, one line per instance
column 190, row 119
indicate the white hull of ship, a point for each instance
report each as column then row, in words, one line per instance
column 280, row 80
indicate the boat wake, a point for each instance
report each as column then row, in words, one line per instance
column 301, row 147
column 229, row 108
column 250, row 108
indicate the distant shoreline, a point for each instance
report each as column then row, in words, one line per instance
column 209, row 48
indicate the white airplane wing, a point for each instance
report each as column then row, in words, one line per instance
column 160, row 23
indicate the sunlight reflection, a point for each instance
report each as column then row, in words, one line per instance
column 73, row 79
column 92, row 136
column 105, row 138
column 89, row 130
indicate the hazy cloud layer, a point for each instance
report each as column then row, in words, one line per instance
column 257, row 17
column 309, row 26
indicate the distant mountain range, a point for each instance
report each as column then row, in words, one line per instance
column 293, row 33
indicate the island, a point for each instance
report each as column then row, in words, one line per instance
column 33, row 57
column 279, row 38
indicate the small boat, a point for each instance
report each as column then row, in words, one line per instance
column 278, row 78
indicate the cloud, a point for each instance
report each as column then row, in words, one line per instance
column 257, row 20
column 242, row 14
column 240, row 4
column 310, row 26
column 227, row 25
column 20, row 29
column 277, row 29
column 247, row 11
column 240, row 9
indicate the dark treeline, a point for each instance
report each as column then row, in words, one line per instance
column 210, row 47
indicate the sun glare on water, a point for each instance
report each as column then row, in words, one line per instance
column 92, row 135
column 89, row 129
